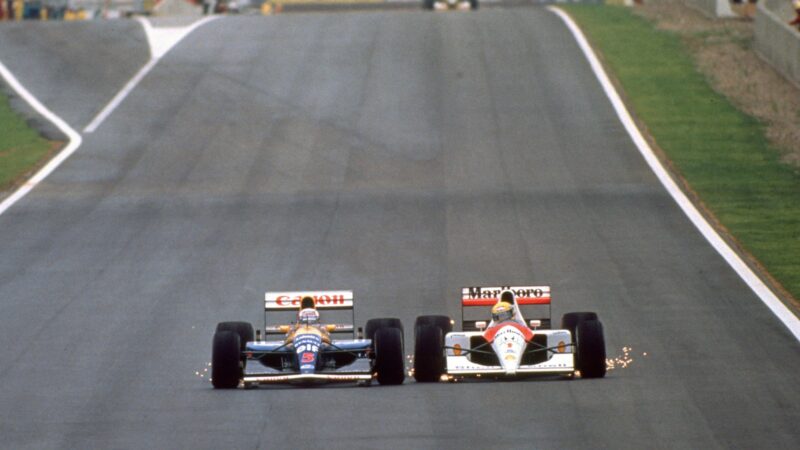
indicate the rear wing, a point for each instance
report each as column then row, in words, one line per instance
column 533, row 302
column 281, row 301
column 336, row 310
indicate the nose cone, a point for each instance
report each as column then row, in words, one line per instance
column 509, row 344
column 510, row 363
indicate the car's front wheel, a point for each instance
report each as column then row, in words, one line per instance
column 590, row 359
column 389, row 364
column 226, row 368
column 429, row 359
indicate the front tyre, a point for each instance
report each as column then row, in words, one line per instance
column 429, row 360
column 226, row 370
column 389, row 365
column 591, row 357
column 473, row 4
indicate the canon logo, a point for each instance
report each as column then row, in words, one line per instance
column 323, row 300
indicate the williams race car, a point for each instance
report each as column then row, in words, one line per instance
column 306, row 352
column 508, row 346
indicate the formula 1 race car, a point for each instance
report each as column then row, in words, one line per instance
column 449, row 4
column 508, row 346
column 306, row 353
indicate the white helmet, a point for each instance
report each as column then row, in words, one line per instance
column 308, row 316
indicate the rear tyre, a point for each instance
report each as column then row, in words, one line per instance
column 389, row 365
column 243, row 329
column 473, row 4
column 427, row 4
column 429, row 360
column 591, row 356
column 226, row 370
column 442, row 322
column 570, row 321
column 373, row 325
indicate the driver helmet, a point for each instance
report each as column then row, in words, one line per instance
column 308, row 316
column 502, row 311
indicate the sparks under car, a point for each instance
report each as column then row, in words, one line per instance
column 508, row 345
column 306, row 350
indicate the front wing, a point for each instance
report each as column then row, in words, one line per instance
column 358, row 370
column 555, row 344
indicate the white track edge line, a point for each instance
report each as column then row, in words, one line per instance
column 137, row 78
column 121, row 95
column 781, row 311
column 75, row 140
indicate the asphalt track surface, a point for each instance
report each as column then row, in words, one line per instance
column 400, row 155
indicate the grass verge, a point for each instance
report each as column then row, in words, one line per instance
column 22, row 149
column 721, row 152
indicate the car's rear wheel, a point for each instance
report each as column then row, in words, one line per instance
column 442, row 322
column 429, row 359
column 373, row 325
column 389, row 364
column 226, row 369
column 427, row 4
column 473, row 4
column 570, row 321
column 590, row 359
column 243, row 329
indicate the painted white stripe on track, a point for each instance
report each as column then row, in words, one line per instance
column 160, row 42
column 75, row 139
column 761, row 290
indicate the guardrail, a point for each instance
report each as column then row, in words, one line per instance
column 775, row 40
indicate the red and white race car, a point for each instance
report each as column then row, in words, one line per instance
column 508, row 345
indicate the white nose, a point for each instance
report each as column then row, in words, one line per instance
column 509, row 347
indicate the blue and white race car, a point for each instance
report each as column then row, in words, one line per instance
column 306, row 352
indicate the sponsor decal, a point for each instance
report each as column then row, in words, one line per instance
column 321, row 300
column 510, row 357
column 506, row 327
column 487, row 296
column 479, row 292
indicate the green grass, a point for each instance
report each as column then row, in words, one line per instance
column 720, row 151
column 21, row 148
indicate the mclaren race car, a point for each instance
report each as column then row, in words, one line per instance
column 305, row 350
column 508, row 346
column 449, row 4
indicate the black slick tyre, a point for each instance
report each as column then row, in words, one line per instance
column 570, row 321
column 427, row 4
column 373, row 325
column 389, row 364
column 473, row 4
column 442, row 322
column 590, row 359
column 226, row 370
column 243, row 329
column 429, row 359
